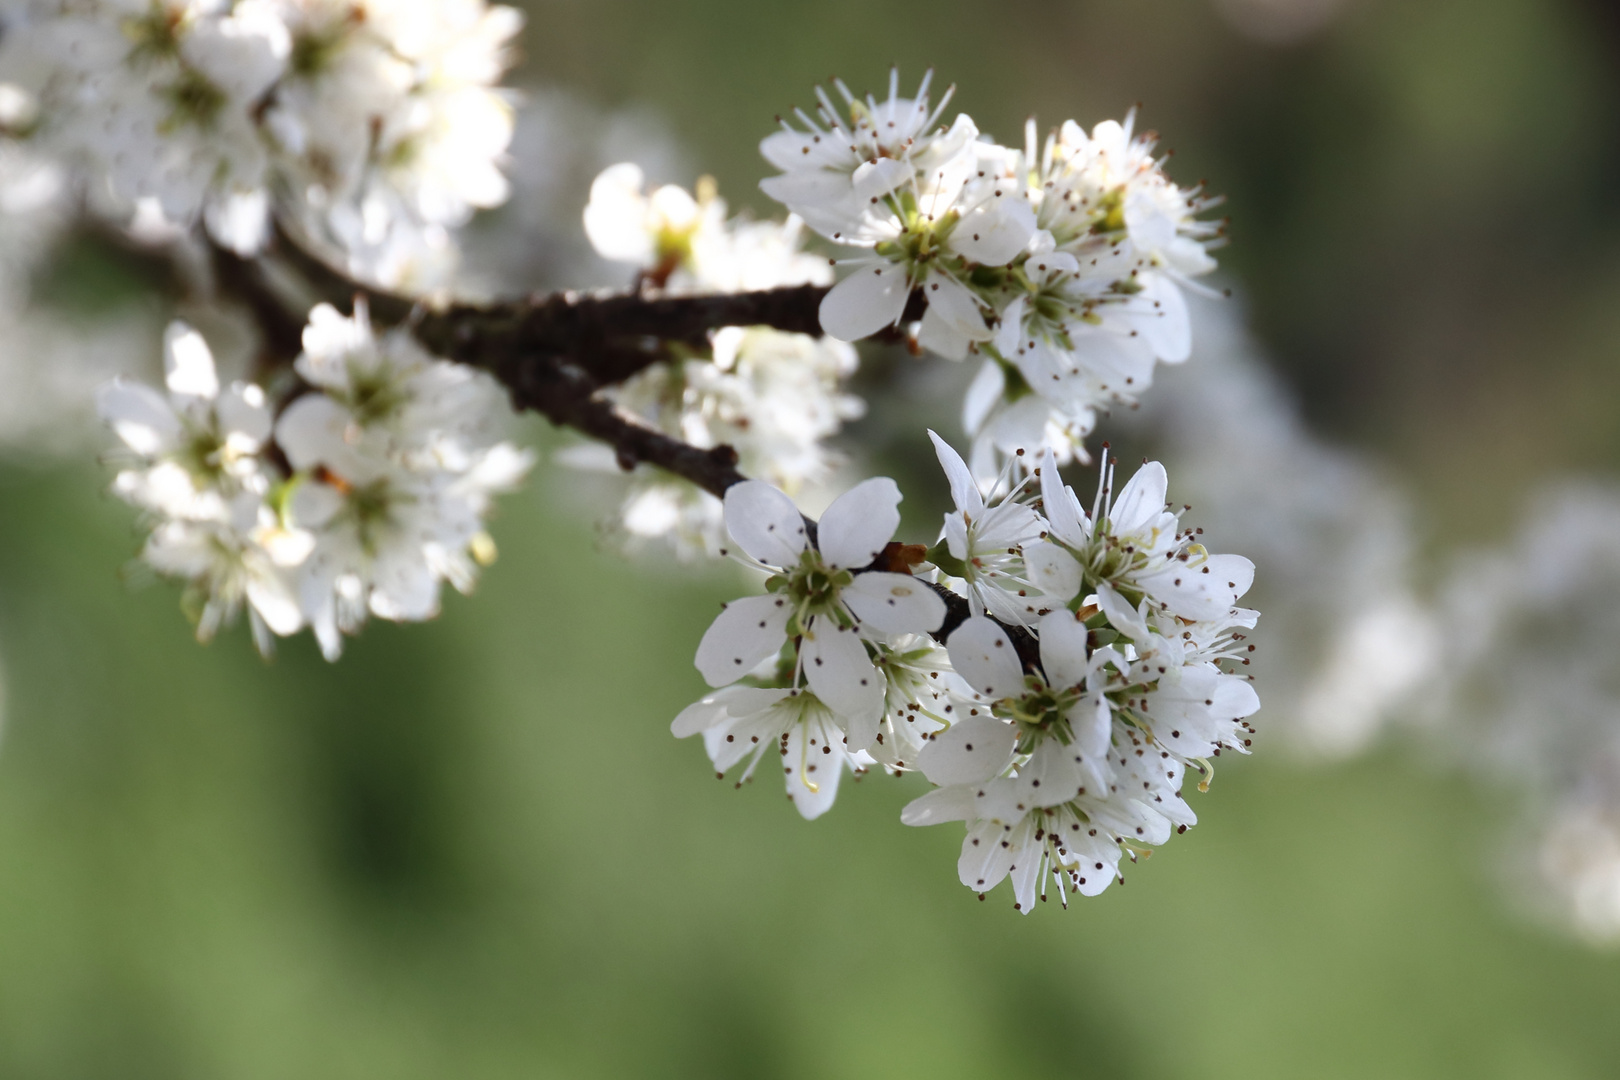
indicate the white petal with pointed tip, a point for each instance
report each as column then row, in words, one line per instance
column 981, row 654
column 1142, row 500
column 839, row 671
column 964, row 492
column 970, row 751
column 1063, row 510
column 860, row 523
column 894, row 603
column 746, row 632
column 765, row 523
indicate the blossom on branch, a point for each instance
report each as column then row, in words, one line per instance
column 366, row 128
column 1060, row 263
column 1060, row 766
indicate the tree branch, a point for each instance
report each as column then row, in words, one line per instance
column 566, row 397
column 554, row 354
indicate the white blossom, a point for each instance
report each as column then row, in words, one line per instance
column 1069, row 754
column 821, row 594
column 192, row 464
column 741, row 722
column 929, row 208
column 397, row 463
column 365, row 127
column 984, row 544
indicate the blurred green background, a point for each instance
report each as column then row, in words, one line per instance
column 472, row 849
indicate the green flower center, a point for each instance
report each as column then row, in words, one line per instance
column 1040, row 713
column 812, row 587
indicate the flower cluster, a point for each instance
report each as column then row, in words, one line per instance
column 1060, row 263
column 772, row 396
column 364, row 495
column 1085, row 669
column 369, row 127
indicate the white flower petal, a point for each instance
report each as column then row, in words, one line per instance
column 1052, row 775
column 139, row 415
column 1026, row 876
column 188, row 366
column 1063, row 510
column 1197, row 590
column 995, row 231
column 311, row 432
column 616, row 215
column 273, row 598
column 969, row 752
column 937, row 335
column 1052, row 569
column 1126, row 619
column 1009, row 335
column 981, row 654
column 957, row 305
column 242, row 411
column 870, row 299
column 987, row 856
column 859, row 524
column 765, row 523
column 964, row 492
column 1142, row 501
column 982, row 396
column 812, row 772
column 747, row 631
column 894, row 603
column 722, row 705
column 1092, row 721
column 1159, row 313
column 955, row 803
column 875, row 179
column 838, row 669
column 1063, row 648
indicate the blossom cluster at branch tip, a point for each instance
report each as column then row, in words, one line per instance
column 773, row 396
column 364, row 496
column 1062, row 760
column 1060, row 262
column 366, row 127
